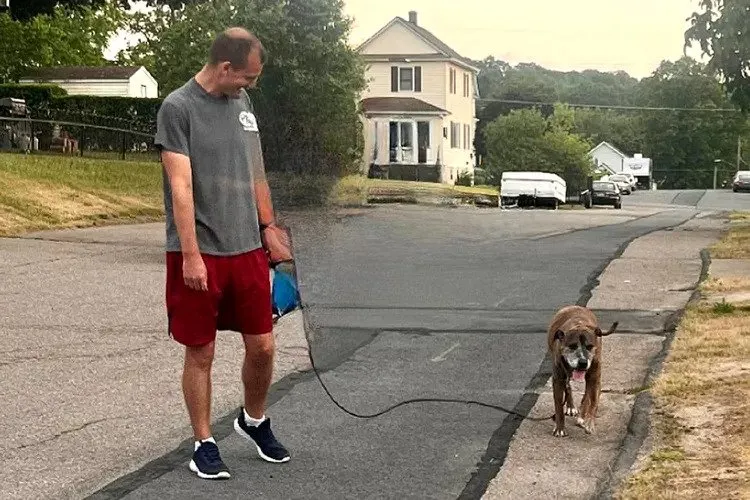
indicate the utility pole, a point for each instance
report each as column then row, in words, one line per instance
column 716, row 168
column 739, row 152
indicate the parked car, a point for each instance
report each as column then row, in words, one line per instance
column 602, row 193
column 632, row 180
column 741, row 181
column 622, row 182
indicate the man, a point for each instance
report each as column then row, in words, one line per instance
column 220, row 237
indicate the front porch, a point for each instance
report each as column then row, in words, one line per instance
column 403, row 139
column 406, row 172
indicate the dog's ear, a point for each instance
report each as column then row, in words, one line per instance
column 559, row 335
column 600, row 333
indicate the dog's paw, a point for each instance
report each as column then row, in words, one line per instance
column 571, row 411
column 559, row 432
column 586, row 424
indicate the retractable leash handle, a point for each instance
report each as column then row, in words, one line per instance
column 285, row 296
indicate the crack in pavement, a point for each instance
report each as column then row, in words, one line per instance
column 57, row 357
column 66, row 432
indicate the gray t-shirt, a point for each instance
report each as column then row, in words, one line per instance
column 220, row 136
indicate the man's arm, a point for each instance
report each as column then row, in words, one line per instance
column 172, row 139
column 179, row 173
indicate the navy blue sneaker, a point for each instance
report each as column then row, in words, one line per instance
column 262, row 437
column 207, row 462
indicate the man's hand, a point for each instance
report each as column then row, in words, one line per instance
column 194, row 272
column 276, row 242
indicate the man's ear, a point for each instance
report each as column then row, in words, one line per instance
column 559, row 335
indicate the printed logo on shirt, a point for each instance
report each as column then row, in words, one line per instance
column 248, row 121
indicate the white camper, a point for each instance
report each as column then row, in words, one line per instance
column 532, row 188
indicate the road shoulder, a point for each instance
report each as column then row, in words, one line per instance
column 656, row 275
column 699, row 442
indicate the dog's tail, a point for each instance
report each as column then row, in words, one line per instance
column 608, row 332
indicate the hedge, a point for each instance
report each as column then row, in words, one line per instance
column 36, row 96
column 52, row 102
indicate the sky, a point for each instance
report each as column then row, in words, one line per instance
column 608, row 35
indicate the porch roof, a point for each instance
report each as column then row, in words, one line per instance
column 384, row 105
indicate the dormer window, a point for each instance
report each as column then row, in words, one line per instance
column 406, row 79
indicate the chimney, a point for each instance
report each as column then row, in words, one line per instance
column 413, row 16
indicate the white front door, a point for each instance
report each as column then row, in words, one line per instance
column 402, row 141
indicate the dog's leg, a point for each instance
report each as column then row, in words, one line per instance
column 590, row 402
column 570, row 406
column 558, row 392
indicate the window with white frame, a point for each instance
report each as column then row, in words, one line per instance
column 467, row 137
column 452, row 80
column 467, row 85
column 406, row 78
column 144, row 91
column 455, row 135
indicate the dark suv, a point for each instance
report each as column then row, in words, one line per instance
column 602, row 193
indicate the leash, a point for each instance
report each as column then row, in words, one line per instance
column 303, row 308
column 290, row 299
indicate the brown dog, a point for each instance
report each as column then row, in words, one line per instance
column 574, row 339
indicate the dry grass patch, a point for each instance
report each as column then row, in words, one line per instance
column 727, row 284
column 702, row 410
column 736, row 244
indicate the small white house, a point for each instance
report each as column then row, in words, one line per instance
column 109, row 81
column 608, row 157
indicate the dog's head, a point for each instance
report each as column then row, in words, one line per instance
column 578, row 347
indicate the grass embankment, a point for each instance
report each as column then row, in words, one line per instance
column 702, row 396
column 43, row 191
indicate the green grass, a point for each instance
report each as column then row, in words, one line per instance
column 48, row 191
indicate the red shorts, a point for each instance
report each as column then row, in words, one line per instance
column 238, row 298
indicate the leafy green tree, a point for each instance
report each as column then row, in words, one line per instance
column 684, row 144
column 722, row 29
column 623, row 129
column 25, row 10
column 64, row 37
column 307, row 95
column 526, row 140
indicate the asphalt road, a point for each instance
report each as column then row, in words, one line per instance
column 420, row 302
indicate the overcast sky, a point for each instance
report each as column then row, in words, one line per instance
column 609, row 35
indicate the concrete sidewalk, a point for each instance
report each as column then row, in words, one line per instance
column 91, row 380
column 656, row 274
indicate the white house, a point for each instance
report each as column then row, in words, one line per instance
column 120, row 81
column 608, row 157
column 419, row 106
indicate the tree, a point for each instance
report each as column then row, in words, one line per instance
column 623, row 129
column 307, row 95
column 28, row 9
column 526, row 140
column 684, row 144
column 722, row 29
column 64, row 37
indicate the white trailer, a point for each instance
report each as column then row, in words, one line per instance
column 532, row 188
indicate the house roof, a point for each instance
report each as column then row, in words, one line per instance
column 82, row 73
column 398, row 105
column 442, row 48
column 610, row 146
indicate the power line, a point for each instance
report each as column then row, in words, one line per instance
column 609, row 106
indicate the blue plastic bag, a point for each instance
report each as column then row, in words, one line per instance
column 284, row 290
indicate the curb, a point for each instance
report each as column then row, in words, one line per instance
column 639, row 425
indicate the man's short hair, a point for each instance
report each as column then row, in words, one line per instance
column 235, row 45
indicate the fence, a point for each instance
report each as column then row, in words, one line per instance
column 59, row 137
